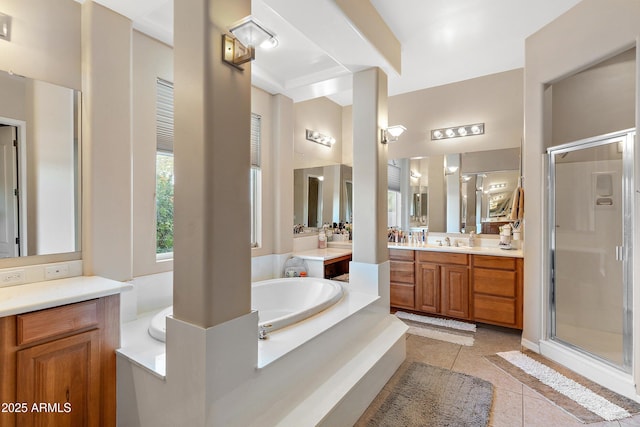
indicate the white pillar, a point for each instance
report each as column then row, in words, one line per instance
column 106, row 154
column 283, row 173
column 369, row 271
column 212, row 254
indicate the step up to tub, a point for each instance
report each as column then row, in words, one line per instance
column 348, row 392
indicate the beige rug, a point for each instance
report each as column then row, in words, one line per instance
column 427, row 395
column 581, row 398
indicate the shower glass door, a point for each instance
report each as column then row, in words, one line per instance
column 590, row 301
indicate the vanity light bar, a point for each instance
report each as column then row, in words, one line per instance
column 457, row 131
column 320, row 138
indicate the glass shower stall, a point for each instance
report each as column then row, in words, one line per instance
column 590, row 242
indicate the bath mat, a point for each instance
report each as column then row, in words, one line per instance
column 426, row 395
column 449, row 330
column 583, row 399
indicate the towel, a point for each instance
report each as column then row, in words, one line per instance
column 515, row 202
column 521, row 203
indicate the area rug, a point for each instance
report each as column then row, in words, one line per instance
column 585, row 400
column 426, row 395
column 449, row 330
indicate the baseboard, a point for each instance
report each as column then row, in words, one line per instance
column 530, row 345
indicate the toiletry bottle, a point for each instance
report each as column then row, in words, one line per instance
column 322, row 240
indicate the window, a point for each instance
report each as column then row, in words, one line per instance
column 255, row 180
column 164, row 169
column 393, row 196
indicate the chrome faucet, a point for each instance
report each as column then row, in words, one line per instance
column 262, row 331
column 447, row 240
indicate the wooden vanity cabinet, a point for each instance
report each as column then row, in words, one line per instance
column 442, row 283
column 62, row 360
column 402, row 278
column 497, row 285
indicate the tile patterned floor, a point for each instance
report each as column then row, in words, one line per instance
column 514, row 403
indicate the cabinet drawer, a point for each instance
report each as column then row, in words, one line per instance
column 495, row 310
column 402, row 295
column 442, row 257
column 494, row 282
column 401, row 254
column 40, row 325
column 499, row 262
column 402, row 272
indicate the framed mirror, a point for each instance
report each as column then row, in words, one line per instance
column 483, row 185
column 40, row 157
column 322, row 195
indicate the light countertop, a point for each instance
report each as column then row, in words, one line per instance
column 475, row 250
column 323, row 254
column 52, row 293
column 492, row 250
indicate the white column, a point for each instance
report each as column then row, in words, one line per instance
column 212, row 254
column 370, row 268
column 283, row 174
column 106, row 133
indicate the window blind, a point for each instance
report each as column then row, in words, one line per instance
column 393, row 177
column 255, row 140
column 164, row 116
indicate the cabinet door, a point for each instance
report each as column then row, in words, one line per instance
column 58, row 374
column 428, row 287
column 455, row 291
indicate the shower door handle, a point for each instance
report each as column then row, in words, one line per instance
column 619, row 253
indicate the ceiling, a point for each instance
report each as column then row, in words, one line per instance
column 442, row 41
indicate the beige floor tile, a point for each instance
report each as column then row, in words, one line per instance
column 632, row 421
column 479, row 367
column 506, row 410
column 432, row 352
column 541, row 412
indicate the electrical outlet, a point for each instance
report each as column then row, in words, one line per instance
column 57, row 271
column 13, row 277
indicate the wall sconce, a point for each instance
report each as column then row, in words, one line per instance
column 415, row 174
column 391, row 134
column 240, row 47
column 450, row 170
column 5, row 27
column 457, row 131
column 320, row 138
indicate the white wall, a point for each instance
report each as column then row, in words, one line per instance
column 324, row 116
column 496, row 100
column 45, row 41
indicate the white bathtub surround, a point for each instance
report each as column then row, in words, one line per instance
column 322, row 371
column 267, row 267
column 149, row 293
column 278, row 302
column 371, row 279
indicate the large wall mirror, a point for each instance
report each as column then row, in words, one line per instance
column 40, row 161
column 462, row 192
column 322, row 195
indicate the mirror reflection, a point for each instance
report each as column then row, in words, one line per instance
column 40, row 161
column 463, row 192
column 322, row 195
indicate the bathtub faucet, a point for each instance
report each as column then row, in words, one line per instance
column 262, row 332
